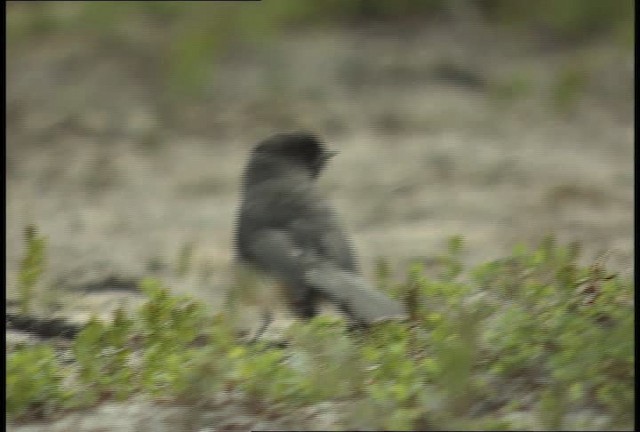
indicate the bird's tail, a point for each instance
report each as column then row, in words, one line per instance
column 354, row 294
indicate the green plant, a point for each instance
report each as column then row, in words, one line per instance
column 545, row 328
column 534, row 332
column 33, row 381
column 32, row 267
column 328, row 363
column 569, row 87
column 151, row 353
column 103, row 355
column 516, row 87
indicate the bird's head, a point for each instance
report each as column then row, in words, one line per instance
column 298, row 149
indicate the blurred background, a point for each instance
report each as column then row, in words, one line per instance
column 128, row 125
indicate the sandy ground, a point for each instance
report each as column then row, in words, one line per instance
column 120, row 181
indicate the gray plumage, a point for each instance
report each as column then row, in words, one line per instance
column 286, row 229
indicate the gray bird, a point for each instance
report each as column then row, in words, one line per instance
column 287, row 230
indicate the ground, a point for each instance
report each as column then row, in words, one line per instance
column 441, row 131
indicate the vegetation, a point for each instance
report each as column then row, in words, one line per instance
column 32, row 267
column 186, row 38
column 531, row 341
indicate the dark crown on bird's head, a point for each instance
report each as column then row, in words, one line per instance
column 299, row 147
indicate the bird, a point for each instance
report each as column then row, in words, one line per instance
column 287, row 231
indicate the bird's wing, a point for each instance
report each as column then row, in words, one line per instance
column 323, row 234
column 276, row 251
column 301, row 211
